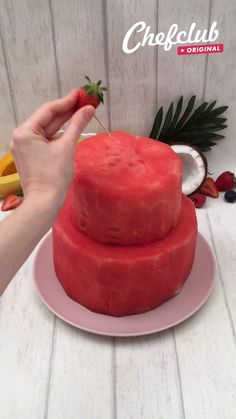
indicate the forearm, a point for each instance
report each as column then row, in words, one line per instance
column 20, row 233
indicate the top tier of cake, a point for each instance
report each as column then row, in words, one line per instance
column 126, row 189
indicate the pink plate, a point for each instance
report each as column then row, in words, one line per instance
column 193, row 295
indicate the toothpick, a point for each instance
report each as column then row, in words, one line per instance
column 102, row 126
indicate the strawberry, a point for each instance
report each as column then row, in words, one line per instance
column 226, row 181
column 10, row 202
column 90, row 94
column 209, row 188
column 198, row 198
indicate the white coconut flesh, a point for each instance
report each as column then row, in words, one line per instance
column 194, row 167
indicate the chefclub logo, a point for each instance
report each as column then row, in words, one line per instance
column 174, row 36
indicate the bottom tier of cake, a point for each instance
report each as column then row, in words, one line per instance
column 122, row 281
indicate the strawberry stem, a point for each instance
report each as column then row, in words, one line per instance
column 95, row 89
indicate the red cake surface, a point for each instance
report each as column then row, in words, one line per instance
column 126, row 189
column 119, row 280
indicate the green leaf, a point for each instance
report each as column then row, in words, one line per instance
column 210, row 143
column 208, row 109
column 187, row 112
column 99, row 82
column 214, row 136
column 177, row 114
column 206, row 145
column 88, row 89
column 197, row 113
column 211, row 121
column 167, row 120
column 157, row 124
column 218, row 111
column 204, row 130
column 206, row 137
column 199, row 127
column 219, row 128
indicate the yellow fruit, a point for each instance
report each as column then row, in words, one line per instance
column 10, row 184
column 7, row 165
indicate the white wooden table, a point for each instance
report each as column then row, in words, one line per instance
column 49, row 369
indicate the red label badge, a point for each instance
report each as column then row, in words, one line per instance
column 200, row 49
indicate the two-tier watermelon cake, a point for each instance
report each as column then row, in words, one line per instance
column 125, row 239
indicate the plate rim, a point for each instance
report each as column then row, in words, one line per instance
column 123, row 334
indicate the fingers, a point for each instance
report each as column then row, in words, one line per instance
column 77, row 124
column 57, row 123
column 43, row 117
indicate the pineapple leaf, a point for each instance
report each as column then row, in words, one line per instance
column 214, row 136
column 204, row 138
column 218, row 111
column 208, row 109
column 211, row 143
column 177, row 114
column 198, row 127
column 168, row 119
column 204, row 130
column 197, row 113
column 157, row 124
column 187, row 112
column 210, row 122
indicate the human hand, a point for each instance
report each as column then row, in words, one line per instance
column 45, row 164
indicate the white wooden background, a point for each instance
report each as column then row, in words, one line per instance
column 47, row 368
column 46, row 47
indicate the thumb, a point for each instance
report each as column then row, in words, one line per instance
column 77, row 124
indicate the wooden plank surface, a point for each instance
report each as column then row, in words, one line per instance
column 80, row 43
column 223, row 232
column 27, row 32
column 7, row 114
column 81, row 384
column 147, row 380
column 26, row 330
column 180, row 74
column 221, row 84
column 132, row 77
column 207, row 354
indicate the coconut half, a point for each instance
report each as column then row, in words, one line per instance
column 194, row 167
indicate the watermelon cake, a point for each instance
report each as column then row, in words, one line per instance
column 124, row 242
column 126, row 189
column 123, row 280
